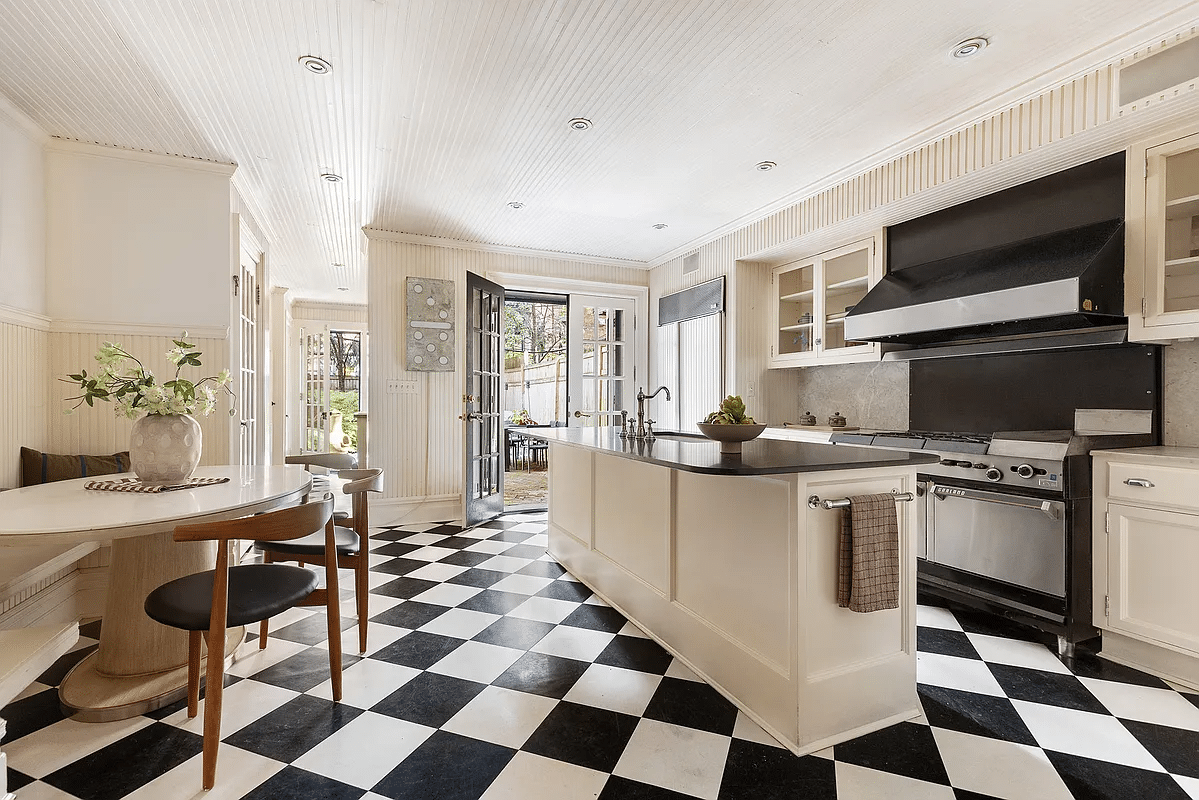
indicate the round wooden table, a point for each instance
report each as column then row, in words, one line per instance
column 140, row 665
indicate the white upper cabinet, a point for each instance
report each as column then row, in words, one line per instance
column 1162, row 278
column 810, row 300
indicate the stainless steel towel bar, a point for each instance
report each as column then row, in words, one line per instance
column 815, row 502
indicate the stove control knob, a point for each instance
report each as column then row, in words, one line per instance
column 994, row 474
column 1026, row 470
column 980, row 466
column 945, row 462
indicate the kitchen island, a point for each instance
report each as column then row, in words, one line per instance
column 730, row 562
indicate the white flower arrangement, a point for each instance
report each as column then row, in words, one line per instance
column 124, row 381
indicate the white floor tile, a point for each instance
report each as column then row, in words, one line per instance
column 377, row 579
column 674, row 757
column 505, row 563
column 460, row 623
column 437, row 572
column 997, row 768
column 1145, row 703
column 1082, row 733
column 1016, row 653
column 237, row 772
column 447, row 594
column 826, row 754
column 681, row 671
column 746, row 728
column 423, row 538
column 632, row 630
column 544, row 609
column 55, row 746
column 243, row 702
column 477, row 661
column 362, row 752
column 478, row 533
column 522, row 584
column 538, row 540
column 501, row 716
column 860, row 783
column 31, row 690
column 596, row 600
column 430, row 553
column 580, row 644
column 951, row 672
column 533, row 777
column 43, row 791
column 534, row 523
column 1189, row 785
column 378, row 635
column 250, row 659
column 366, row 682
column 936, row 617
column 492, row 546
column 286, row 618
column 622, row 690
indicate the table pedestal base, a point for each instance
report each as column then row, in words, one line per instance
column 87, row 695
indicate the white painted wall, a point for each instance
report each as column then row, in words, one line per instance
column 137, row 239
column 22, row 213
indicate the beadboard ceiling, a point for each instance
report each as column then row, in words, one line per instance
column 439, row 113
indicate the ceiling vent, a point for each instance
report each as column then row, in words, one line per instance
column 1158, row 75
column 691, row 264
column 698, row 301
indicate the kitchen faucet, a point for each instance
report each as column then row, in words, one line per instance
column 641, row 398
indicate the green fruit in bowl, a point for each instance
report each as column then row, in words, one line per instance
column 731, row 412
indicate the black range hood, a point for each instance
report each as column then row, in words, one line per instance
column 1069, row 280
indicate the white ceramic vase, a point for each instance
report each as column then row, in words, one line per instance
column 165, row 448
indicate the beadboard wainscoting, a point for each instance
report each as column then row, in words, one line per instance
column 416, row 437
column 24, row 350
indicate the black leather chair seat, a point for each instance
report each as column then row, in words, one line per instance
column 256, row 591
column 346, row 540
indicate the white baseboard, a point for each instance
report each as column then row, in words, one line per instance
column 408, row 510
column 1160, row 660
column 78, row 595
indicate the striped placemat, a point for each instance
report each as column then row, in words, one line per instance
column 134, row 485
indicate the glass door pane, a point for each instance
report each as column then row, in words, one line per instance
column 1180, row 289
column 602, row 354
column 797, row 309
column 846, row 278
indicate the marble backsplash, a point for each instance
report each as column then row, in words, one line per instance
column 1181, row 400
column 873, row 395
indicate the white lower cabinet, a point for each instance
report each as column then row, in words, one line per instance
column 1146, row 558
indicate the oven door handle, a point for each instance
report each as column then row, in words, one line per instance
column 1050, row 508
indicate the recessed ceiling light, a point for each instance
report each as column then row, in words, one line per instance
column 343, row 288
column 516, row 204
column 580, row 123
column 968, row 48
column 316, row 64
column 331, row 177
column 765, row 166
column 660, row 226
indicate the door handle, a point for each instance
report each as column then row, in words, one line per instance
column 470, row 415
column 1142, row 482
column 581, row 414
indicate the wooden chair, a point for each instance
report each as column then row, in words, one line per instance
column 352, row 541
column 330, row 462
column 228, row 596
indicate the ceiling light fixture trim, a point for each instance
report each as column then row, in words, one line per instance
column 765, row 166
column 580, row 123
column 316, row 65
column 516, row 204
column 660, row 225
column 331, row 177
column 969, row 48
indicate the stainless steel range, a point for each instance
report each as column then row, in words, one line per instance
column 1006, row 523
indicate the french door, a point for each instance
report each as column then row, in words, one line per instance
column 602, row 359
column 249, row 296
column 482, row 410
column 314, row 344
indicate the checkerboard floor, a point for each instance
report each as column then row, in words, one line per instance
column 492, row 674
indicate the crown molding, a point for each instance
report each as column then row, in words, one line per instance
column 22, row 121
column 74, row 147
column 527, row 252
column 138, row 329
column 26, row 319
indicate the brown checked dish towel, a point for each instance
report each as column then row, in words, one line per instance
column 868, row 569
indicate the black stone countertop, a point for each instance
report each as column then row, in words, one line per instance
column 694, row 453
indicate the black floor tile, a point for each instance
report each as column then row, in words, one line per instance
column 493, row 602
column 481, row 578
column 634, row 652
column 17, row 780
column 127, row 764
column 515, row 537
column 584, row 735
column 974, row 621
column 396, row 548
column 1088, row 779
column 418, row 650
column 693, row 705
column 618, row 788
column 429, row 699
column 179, row 705
column 977, row 714
column 65, row 663
column 91, row 629
column 446, row 766
column 390, row 535
column 565, row 590
column 399, row 566
column 498, row 524
column 409, row 614
column 446, row 529
column 1050, row 688
column 905, row 749
column 313, row 629
column 539, row 673
column 596, row 618
column 302, row 671
column 1175, row 749
column 520, row 634
column 524, row 551
column 457, row 542
column 294, row 728
column 762, row 772
column 1092, row 666
column 949, row 643
column 293, row 783
column 543, row 569
column 1193, row 699
column 962, row 794
column 404, row 588
column 31, row 714
column 465, row 558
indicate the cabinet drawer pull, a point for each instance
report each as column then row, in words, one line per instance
column 1142, row 482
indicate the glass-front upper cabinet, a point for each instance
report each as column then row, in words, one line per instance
column 811, row 299
column 1162, row 281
